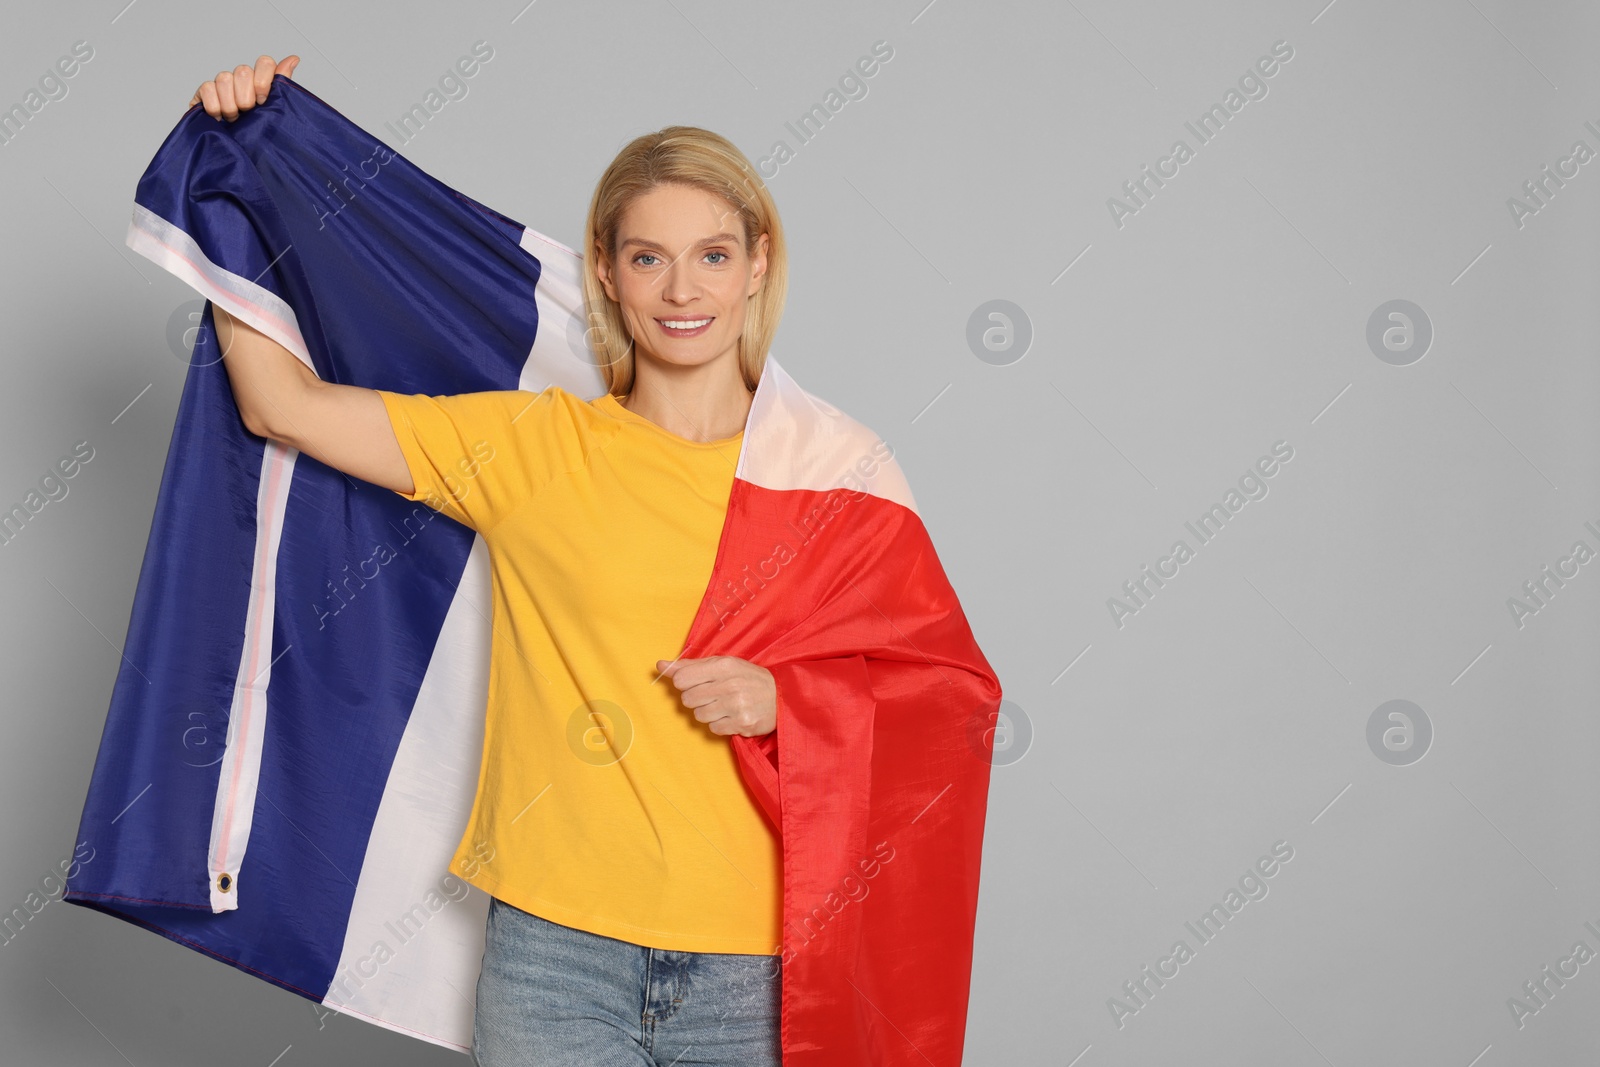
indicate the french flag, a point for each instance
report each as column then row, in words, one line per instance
column 293, row 740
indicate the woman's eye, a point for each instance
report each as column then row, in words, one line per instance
column 639, row 259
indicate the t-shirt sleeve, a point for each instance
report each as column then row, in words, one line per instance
column 477, row 457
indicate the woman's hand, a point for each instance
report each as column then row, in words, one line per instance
column 728, row 694
column 242, row 88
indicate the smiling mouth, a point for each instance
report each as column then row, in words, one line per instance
column 685, row 327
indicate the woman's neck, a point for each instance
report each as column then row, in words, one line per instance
column 693, row 402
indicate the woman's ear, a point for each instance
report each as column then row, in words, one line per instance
column 602, row 269
column 758, row 264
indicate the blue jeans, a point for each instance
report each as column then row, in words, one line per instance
column 550, row 994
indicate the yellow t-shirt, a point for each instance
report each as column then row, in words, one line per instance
column 602, row 803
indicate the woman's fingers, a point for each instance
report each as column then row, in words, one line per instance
column 238, row 90
column 244, row 87
column 225, row 102
column 208, row 97
column 264, row 70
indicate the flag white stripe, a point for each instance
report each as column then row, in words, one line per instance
column 176, row 252
column 430, row 924
column 239, row 769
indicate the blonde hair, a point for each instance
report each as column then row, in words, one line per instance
column 681, row 155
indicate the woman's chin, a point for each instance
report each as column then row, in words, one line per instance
column 684, row 355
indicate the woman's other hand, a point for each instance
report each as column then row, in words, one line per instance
column 238, row 90
column 730, row 695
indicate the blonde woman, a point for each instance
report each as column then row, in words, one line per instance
column 636, row 911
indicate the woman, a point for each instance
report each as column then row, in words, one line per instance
column 635, row 886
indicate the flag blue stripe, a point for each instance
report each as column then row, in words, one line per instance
column 429, row 293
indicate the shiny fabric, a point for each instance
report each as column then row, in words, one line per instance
column 877, row 774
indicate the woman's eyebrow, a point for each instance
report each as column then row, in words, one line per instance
column 714, row 239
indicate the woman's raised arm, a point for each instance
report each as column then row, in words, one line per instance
column 344, row 426
column 279, row 397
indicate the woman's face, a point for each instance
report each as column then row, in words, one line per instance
column 682, row 276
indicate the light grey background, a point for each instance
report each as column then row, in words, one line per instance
column 1229, row 313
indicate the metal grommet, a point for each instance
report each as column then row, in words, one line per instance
column 224, row 882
